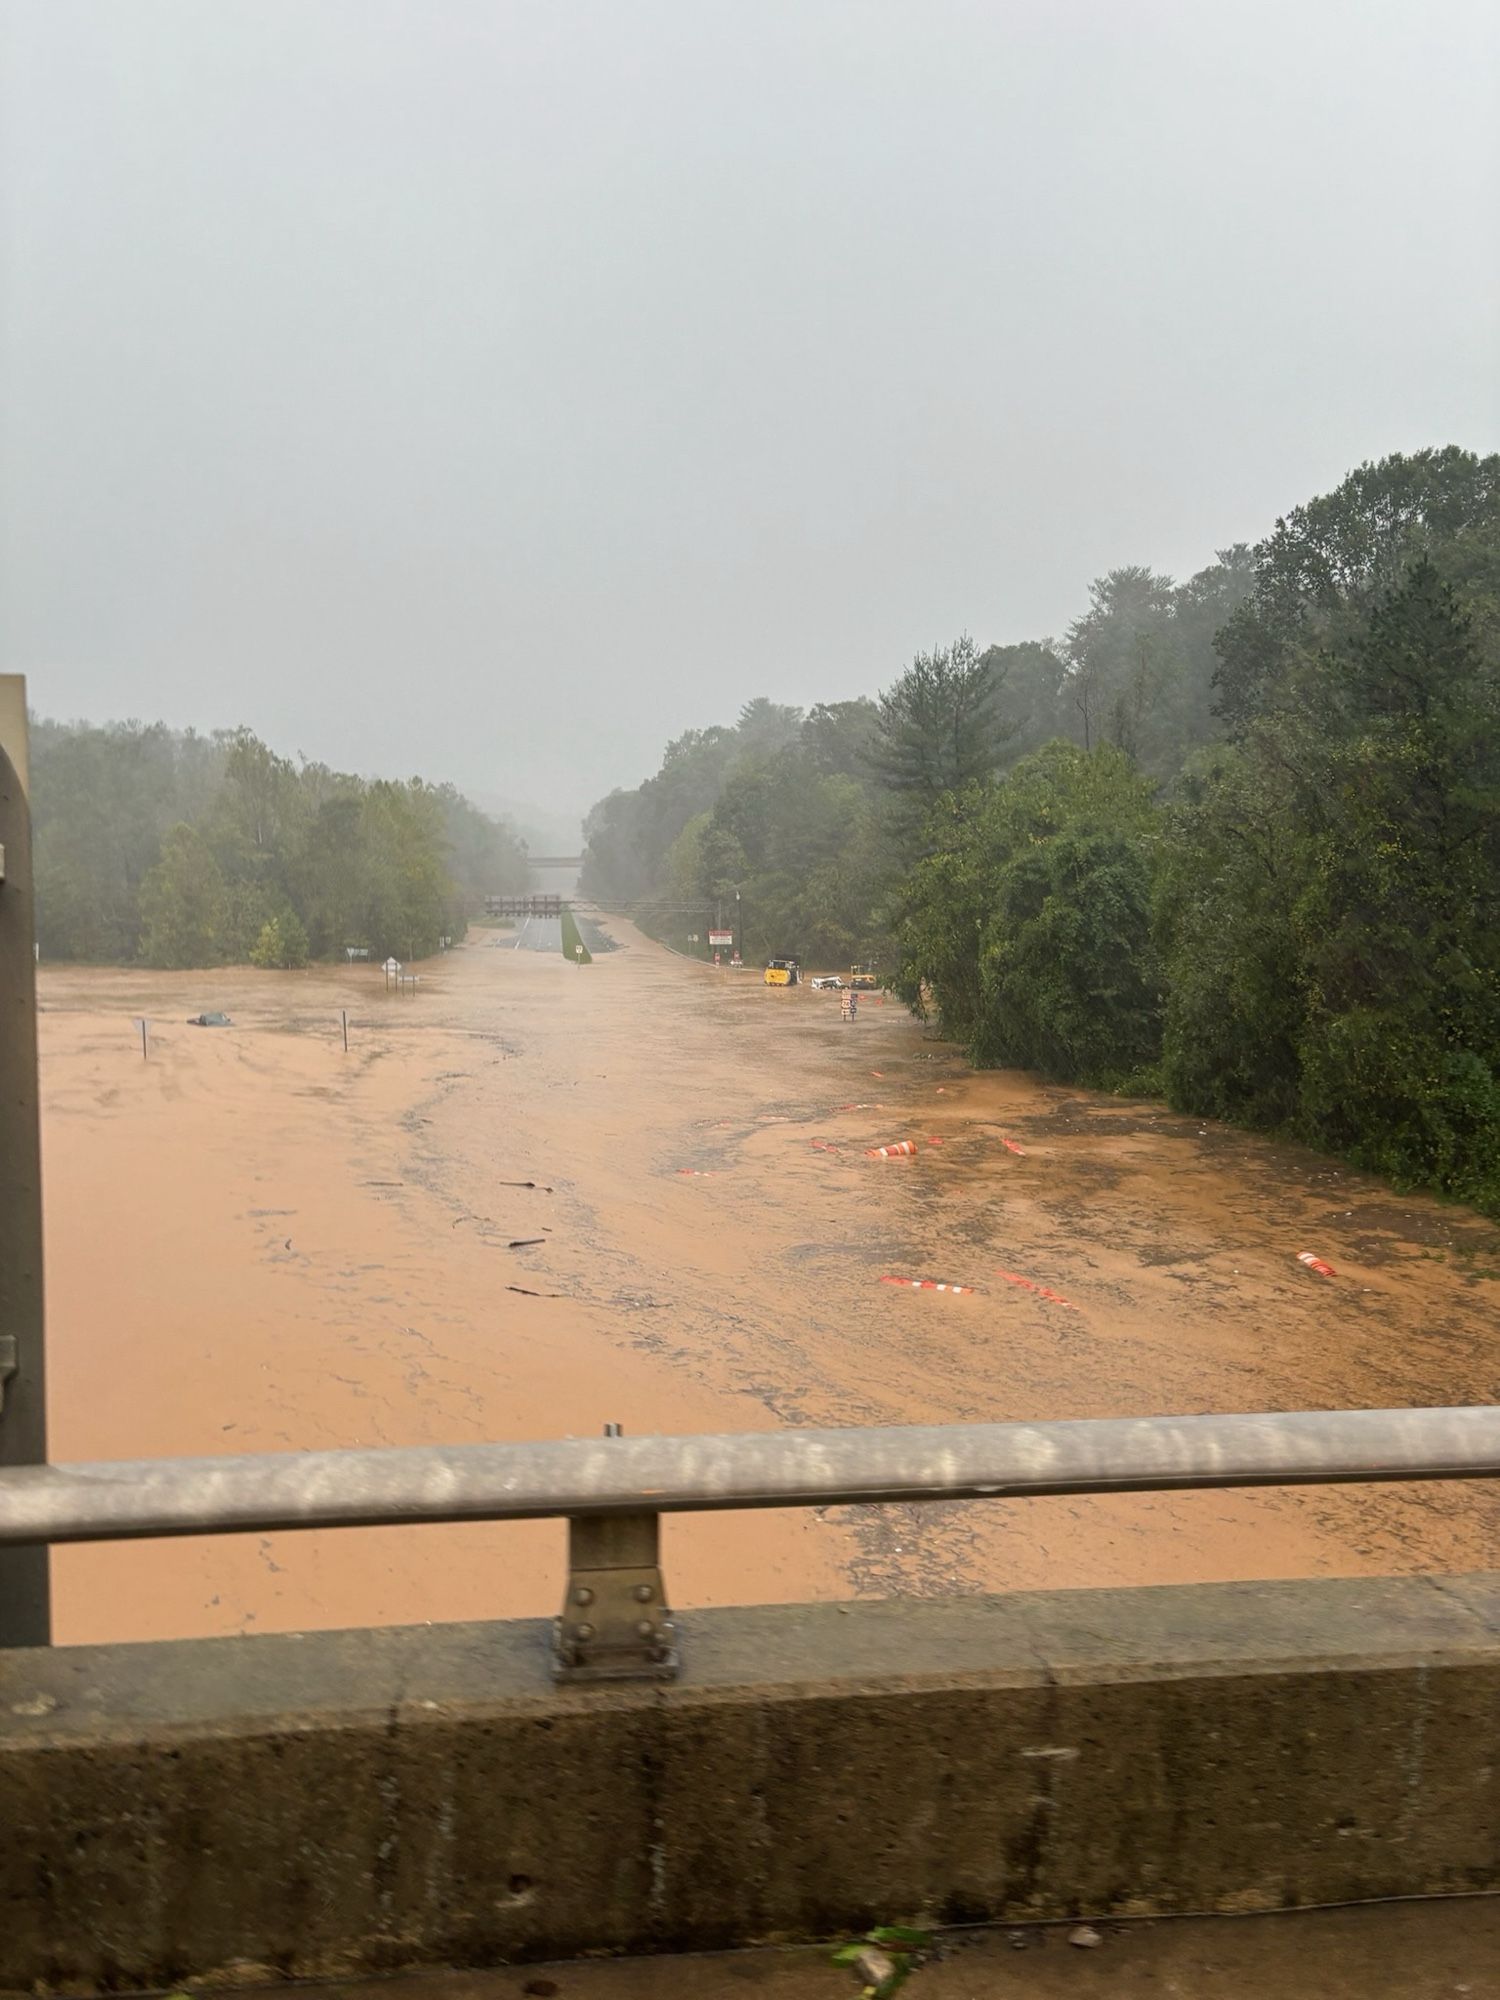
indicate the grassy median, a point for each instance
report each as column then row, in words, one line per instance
column 572, row 940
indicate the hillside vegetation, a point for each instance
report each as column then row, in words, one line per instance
column 177, row 849
column 1236, row 839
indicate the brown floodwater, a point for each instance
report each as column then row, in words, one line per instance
column 257, row 1242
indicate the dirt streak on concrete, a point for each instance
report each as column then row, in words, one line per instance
column 257, row 1242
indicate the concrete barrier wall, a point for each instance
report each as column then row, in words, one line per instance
column 348, row 1802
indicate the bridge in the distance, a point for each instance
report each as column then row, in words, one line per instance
column 555, row 872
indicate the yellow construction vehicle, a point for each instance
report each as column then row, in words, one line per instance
column 783, row 972
column 862, row 978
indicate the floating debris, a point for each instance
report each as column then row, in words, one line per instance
column 1042, row 1291
column 929, row 1285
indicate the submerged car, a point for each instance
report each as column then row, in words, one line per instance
column 209, row 1021
column 827, row 982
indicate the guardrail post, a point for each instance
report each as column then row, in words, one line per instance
column 25, row 1594
column 615, row 1625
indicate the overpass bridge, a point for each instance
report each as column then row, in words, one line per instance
column 630, row 1777
column 556, row 872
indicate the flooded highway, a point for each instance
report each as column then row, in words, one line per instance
column 544, row 934
column 535, row 1197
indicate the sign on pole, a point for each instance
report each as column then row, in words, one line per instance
column 721, row 937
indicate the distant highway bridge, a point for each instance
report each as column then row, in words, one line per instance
column 555, row 871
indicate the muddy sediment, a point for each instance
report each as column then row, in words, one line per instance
column 534, row 1198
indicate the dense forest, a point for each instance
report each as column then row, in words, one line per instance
column 1234, row 840
column 178, row 849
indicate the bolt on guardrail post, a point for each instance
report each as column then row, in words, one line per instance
column 25, row 1598
column 615, row 1625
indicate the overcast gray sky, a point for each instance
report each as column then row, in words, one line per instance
column 494, row 390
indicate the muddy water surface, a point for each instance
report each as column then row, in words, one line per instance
column 257, row 1242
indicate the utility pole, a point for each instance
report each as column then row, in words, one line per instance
column 25, row 1589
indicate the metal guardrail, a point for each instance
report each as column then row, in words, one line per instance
column 612, row 1491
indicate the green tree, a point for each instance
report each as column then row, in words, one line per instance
column 407, row 892
column 721, row 859
column 682, row 869
column 839, row 737
column 1070, row 977
column 1031, row 908
column 102, row 801
column 181, row 849
column 1325, row 565
column 617, row 866
column 1186, row 717
column 1120, row 654
column 1232, row 871
column 1032, row 679
column 1399, row 921
column 484, row 856
column 940, row 726
column 1142, row 660
column 942, row 907
column 1331, row 916
column 182, row 901
column 282, row 944
column 766, row 726
column 256, row 812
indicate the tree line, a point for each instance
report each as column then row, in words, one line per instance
column 1234, row 841
column 172, row 848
